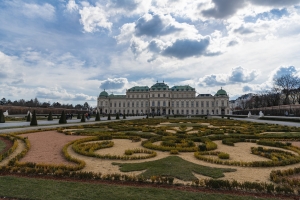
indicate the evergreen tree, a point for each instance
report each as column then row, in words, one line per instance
column 97, row 117
column 124, row 117
column 83, row 118
column 33, row 119
column 117, row 116
column 28, row 118
column 147, row 116
column 78, row 116
column 2, row 118
column 62, row 119
column 50, row 118
column 108, row 117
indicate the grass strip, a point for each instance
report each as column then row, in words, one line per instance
column 20, row 187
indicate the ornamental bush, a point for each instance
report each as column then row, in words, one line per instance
column 82, row 118
column 108, row 117
column 117, row 116
column 97, row 117
column 2, row 118
column 33, row 120
column 78, row 116
column 223, row 155
column 62, row 119
column 28, row 118
column 50, row 118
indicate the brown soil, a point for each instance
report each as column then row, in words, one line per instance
column 8, row 144
column 46, row 147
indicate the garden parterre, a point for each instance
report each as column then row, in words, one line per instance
column 149, row 140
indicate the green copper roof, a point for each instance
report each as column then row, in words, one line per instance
column 103, row 94
column 160, row 86
column 221, row 92
column 112, row 96
column 182, row 88
column 138, row 89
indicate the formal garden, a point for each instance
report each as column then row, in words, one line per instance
column 198, row 153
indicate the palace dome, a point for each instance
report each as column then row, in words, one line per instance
column 221, row 92
column 103, row 94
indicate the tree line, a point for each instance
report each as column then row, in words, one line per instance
column 36, row 103
column 285, row 91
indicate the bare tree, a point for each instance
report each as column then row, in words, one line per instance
column 287, row 83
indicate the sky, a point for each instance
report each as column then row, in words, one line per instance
column 68, row 51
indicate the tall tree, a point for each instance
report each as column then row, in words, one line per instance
column 287, row 83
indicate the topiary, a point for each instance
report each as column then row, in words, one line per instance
column 78, row 116
column 117, row 116
column 82, row 118
column 108, row 117
column 50, row 118
column 2, row 118
column 124, row 117
column 62, row 119
column 28, row 118
column 33, row 120
column 97, row 117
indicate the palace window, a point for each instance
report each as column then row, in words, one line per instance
column 164, row 103
column 207, row 103
column 182, row 104
column 187, row 104
column 202, row 104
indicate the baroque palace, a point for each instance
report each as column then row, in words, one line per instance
column 162, row 100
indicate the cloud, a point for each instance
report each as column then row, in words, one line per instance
column 232, row 43
column 242, row 30
column 241, row 75
column 62, row 94
column 247, row 88
column 155, row 25
column 237, row 75
column 274, row 2
column 45, row 11
column 93, row 18
column 124, row 4
column 223, row 9
column 17, row 82
column 72, row 6
column 273, row 14
column 283, row 70
column 212, row 80
column 113, row 83
column 186, row 48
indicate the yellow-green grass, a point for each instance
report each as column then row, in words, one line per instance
column 28, row 188
column 173, row 166
column 2, row 145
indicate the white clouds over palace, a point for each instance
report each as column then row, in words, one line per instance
column 65, row 50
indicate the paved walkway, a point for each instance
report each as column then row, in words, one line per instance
column 283, row 123
column 9, row 127
column 22, row 126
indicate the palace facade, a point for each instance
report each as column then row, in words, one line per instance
column 159, row 99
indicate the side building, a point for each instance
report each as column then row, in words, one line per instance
column 159, row 99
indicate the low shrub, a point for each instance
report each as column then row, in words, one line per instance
column 174, row 151
column 223, row 155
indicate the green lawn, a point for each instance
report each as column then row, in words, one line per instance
column 173, row 166
column 56, row 190
column 2, row 145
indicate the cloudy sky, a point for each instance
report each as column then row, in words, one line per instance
column 70, row 50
